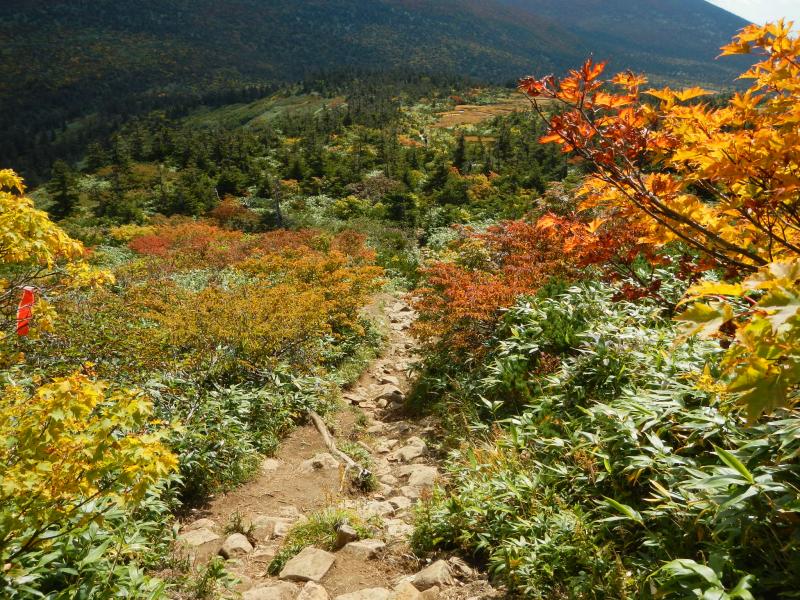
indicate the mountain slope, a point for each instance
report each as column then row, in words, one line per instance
column 667, row 38
column 52, row 45
column 62, row 59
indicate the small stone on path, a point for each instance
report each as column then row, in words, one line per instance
column 365, row 549
column 312, row 564
column 405, row 591
column 201, row 524
column 344, row 535
column 320, row 462
column 236, row 545
column 273, row 591
column 437, row 574
column 368, row 594
column 313, row 591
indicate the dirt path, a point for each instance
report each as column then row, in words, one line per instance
column 304, row 478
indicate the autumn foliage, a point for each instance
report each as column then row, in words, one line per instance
column 722, row 179
column 461, row 299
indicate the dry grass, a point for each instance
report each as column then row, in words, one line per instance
column 472, row 114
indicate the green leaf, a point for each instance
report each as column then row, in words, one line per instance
column 624, row 509
column 734, row 463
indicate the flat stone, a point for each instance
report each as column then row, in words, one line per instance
column 197, row 537
column 352, row 398
column 400, row 502
column 391, row 393
column 390, row 380
column 422, row 476
column 290, row 512
column 320, row 462
column 201, row 524
column 265, row 528
column 431, row 593
column 386, row 446
column 376, row 428
column 378, row 508
column 365, row 549
column 312, row 564
column 268, row 465
column 437, row 574
column 368, row 594
column 398, row 529
column 273, row 591
column 344, row 535
column 405, row 591
column 409, row 491
column 459, row 567
column 313, row 591
column 236, row 545
column 408, row 453
column 389, row 479
column 264, row 554
column 401, row 427
column 199, row 545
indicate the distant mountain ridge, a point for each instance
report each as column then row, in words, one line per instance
column 60, row 59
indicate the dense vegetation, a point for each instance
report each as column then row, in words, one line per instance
column 611, row 344
column 619, row 453
column 71, row 71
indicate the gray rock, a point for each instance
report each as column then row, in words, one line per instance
column 405, row 591
column 272, row 591
column 201, row 524
column 365, row 549
column 312, row 564
column 397, row 529
column 320, row 462
column 431, row 593
column 400, row 502
column 407, row 453
column 389, row 479
column 460, row 568
column 235, row 546
column 375, row 429
column 199, row 545
column 265, row 528
column 290, row 512
column 437, row 574
column 344, row 535
column 378, row 508
column 422, row 476
column 392, row 393
column 264, row 554
column 313, row 591
column 368, row 594
column 409, row 491
column 390, row 380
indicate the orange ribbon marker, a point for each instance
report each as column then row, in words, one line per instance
column 25, row 311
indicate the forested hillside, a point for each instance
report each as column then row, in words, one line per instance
column 403, row 336
column 66, row 60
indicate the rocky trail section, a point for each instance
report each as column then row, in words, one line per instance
column 305, row 477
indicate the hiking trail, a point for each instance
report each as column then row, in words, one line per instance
column 304, row 477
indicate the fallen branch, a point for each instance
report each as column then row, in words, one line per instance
column 363, row 474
